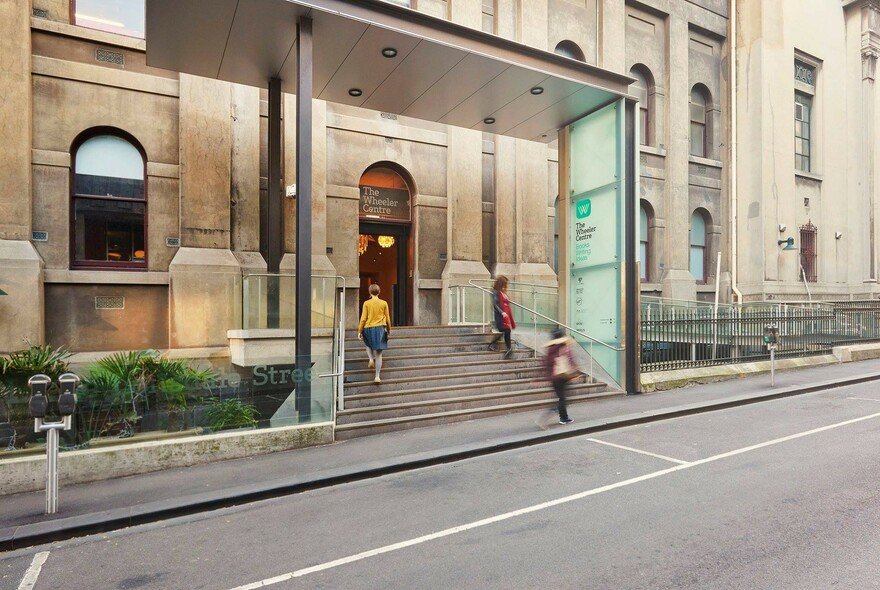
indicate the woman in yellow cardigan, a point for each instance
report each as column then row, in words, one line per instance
column 374, row 329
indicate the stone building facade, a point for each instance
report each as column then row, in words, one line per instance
column 156, row 258
column 806, row 150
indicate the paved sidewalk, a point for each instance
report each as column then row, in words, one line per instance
column 112, row 504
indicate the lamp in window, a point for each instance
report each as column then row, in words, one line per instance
column 363, row 243
column 139, row 254
column 386, row 241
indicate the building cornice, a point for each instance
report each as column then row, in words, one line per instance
column 850, row 4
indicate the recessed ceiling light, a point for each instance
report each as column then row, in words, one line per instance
column 355, row 91
column 489, row 120
column 536, row 90
column 389, row 52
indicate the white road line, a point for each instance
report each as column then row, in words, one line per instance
column 543, row 506
column 865, row 399
column 30, row 577
column 602, row 442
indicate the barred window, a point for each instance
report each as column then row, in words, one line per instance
column 809, row 251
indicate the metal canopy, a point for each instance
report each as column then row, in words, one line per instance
column 442, row 72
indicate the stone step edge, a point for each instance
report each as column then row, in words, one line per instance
column 396, row 336
column 485, row 409
column 464, row 352
column 519, row 361
column 422, row 378
column 468, row 398
column 462, row 387
column 483, row 345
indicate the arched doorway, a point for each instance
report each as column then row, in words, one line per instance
column 384, row 246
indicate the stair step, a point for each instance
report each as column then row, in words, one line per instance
column 475, row 401
column 365, row 428
column 436, row 388
column 358, row 352
column 452, row 379
column 439, row 392
column 419, row 360
column 442, row 369
column 416, row 330
column 398, row 339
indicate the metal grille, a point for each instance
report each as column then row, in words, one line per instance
column 106, row 302
column 39, row 236
column 110, row 57
column 40, row 12
column 808, row 251
column 172, row 242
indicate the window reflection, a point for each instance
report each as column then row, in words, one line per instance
column 124, row 17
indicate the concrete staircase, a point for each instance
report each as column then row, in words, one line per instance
column 439, row 374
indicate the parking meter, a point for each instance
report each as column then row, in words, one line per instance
column 67, row 399
column 38, row 406
column 771, row 336
column 39, row 401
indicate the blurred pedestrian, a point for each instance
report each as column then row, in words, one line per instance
column 374, row 329
column 504, row 321
column 560, row 369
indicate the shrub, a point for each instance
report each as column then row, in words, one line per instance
column 230, row 413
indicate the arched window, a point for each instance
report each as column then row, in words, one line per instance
column 109, row 201
column 699, row 127
column 570, row 49
column 641, row 88
column 644, row 250
column 698, row 246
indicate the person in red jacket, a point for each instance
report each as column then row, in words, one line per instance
column 504, row 321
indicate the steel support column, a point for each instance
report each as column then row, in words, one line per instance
column 632, row 278
column 304, row 215
column 271, row 211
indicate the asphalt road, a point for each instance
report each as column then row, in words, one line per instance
column 774, row 495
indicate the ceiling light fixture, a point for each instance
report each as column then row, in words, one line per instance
column 355, row 91
column 389, row 52
column 537, row 90
column 386, row 241
column 489, row 120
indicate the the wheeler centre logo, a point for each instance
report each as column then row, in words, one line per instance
column 584, row 208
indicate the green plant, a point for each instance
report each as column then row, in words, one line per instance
column 18, row 367
column 119, row 386
column 230, row 413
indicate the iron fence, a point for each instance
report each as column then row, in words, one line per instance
column 677, row 338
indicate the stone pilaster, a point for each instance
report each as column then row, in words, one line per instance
column 464, row 227
column 531, row 213
column 205, row 169
column 532, row 24
column 870, row 51
column 321, row 264
column 677, row 281
column 21, row 309
column 612, row 29
column 505, row 207
column 15, row 120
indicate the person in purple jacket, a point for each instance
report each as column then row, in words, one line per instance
column 560, row 368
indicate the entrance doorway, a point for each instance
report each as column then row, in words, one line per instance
column 384, row 248
column 384, row 259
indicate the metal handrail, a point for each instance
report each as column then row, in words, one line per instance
column 532, row 311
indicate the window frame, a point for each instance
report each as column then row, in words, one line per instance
column 704, row 247
column 106, row 264
column 646, row 111
column 806, row 95
column 645, row 274
column 111, row 31
column 707, row 101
